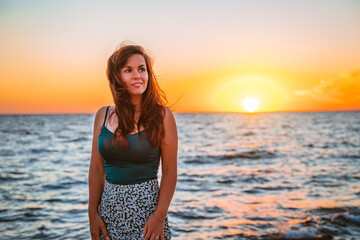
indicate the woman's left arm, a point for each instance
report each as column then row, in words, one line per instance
column 169, row 165
column 169, row 149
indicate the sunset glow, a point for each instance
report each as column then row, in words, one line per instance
column 230, row 97
column 54, row 59
column 251, row 104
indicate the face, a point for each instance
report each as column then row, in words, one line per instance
column 134, row 74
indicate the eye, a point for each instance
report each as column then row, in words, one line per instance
column 127, row 70
column 142, row 70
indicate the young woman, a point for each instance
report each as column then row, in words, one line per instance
column 130, row 139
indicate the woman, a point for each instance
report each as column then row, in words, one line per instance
column 130, row 138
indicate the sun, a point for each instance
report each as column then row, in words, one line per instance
column 250, row 93
column 251, row 104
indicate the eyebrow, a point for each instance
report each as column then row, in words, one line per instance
column 142, row 65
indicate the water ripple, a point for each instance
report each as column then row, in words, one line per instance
column 259, row 176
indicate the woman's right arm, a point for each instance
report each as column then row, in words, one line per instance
column 96, row 181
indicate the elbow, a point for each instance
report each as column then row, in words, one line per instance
column 170, row 173
column 96, row 171
column 169, row 168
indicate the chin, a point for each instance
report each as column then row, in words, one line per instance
column 137, row 93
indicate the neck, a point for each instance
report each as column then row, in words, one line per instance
column 136, row 100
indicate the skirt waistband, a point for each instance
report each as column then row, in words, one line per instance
column 125, row 187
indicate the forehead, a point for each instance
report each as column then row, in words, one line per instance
column 135, row 60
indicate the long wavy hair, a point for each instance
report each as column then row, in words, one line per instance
column 153, row 99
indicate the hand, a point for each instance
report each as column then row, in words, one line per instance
column 96, row 225
column 154, row 227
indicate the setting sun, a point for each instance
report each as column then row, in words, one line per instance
column 250, row 93
column 251, row 104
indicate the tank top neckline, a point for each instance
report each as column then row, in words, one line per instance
column 104, row 126
column 127, row 136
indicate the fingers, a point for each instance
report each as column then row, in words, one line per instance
column 96, row 227
column 152, row 230
column 155, row 237
column 147, row 236
column 104, row 231
column 145, row 231
column 152, row 237
column 95, row 235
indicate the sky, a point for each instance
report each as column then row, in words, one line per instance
column 209, row 56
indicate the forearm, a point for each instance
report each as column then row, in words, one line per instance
column 96, row 186
column 167, row 189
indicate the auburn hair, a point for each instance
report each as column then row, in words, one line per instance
column 153, row 100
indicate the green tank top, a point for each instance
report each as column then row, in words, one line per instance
column 137, row 164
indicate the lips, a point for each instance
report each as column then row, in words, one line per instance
column 137, row 84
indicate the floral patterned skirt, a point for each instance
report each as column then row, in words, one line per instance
column 125, row 209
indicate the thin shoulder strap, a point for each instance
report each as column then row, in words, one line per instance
column 107, row 108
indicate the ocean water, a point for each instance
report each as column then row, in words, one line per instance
column 240, row 176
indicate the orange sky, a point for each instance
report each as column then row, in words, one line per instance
column 209, row 56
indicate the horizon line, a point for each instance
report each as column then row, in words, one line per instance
column 196, row 112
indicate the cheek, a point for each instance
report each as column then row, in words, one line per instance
column 125, row 79
column 146, row 78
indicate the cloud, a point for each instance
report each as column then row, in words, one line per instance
column 341, row 89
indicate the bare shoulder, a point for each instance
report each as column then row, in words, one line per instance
column 170, row 130
column 99, row 116
column 169, row 115
column 169, row 120
column 101, row 112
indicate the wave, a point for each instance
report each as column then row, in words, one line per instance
column 19, row 132
column 350, row 156
column 7, row 153
column 80, row 139
column 302, row 233
column 249, row 134
column 190, row 215
column 252, row 154
column 277, row 188
column 13, row 177
column 347, row 217
column 41, row 150
column 225, row 181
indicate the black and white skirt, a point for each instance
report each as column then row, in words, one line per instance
column 125, row 209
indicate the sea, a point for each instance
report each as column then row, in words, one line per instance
column 288, row 175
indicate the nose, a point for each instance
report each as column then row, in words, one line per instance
column 136, row 74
